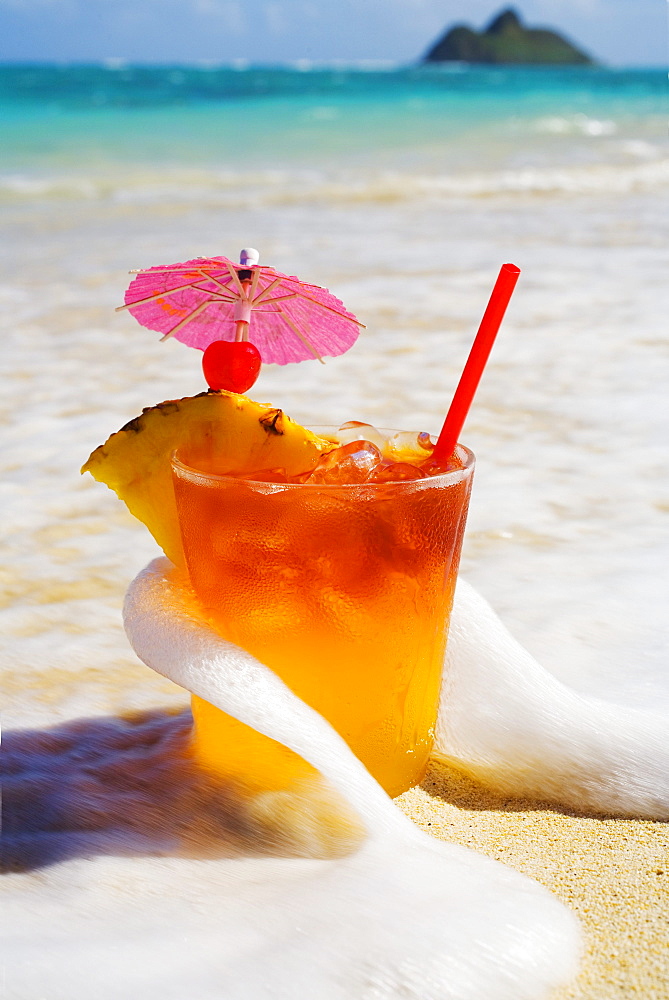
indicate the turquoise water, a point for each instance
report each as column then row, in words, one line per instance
column 64, row 118
column 136, row 87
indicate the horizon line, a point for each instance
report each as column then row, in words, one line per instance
column 119, row 63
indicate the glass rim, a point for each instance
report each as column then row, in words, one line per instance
column 442, row 479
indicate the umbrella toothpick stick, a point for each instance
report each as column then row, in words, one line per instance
column 243, row 308
column 300, row 336
column 172, row 291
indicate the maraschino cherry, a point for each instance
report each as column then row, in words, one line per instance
column 231, row 365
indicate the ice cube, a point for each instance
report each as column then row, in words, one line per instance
column 409, row 446
column 354, row 430
column 438, row 467
column 350, row 463
column 396, row 472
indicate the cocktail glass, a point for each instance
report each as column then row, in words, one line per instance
column 344, row 591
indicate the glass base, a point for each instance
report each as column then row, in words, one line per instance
column 233, row 751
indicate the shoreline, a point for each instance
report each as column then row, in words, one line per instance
column 612, row 873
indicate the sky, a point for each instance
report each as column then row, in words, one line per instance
column 615, row 32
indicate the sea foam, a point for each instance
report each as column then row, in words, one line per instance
column 645, row 171
column 405, row 915
column 519, row 730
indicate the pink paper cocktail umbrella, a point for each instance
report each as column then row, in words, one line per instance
column 212, row 298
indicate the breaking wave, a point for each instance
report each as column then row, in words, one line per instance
column 234, row 189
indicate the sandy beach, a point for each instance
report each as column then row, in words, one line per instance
column 568, row 535
column 612, row 873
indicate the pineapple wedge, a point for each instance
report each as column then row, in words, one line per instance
column 238, row 434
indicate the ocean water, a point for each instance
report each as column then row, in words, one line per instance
column 402, row 190
column 369, row 135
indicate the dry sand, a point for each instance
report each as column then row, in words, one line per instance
column 613, row 873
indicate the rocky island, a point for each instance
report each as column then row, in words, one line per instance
column 506, row 40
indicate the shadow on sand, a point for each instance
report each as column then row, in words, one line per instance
column 127, row 785
column 115, row 785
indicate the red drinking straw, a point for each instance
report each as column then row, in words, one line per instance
column 476, row 362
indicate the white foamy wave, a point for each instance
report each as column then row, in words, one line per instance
column 49, row 187
column 275, row 188
column 578, row 124
column 403, row 913
column 604, row 179
column 519, row 730
column 640, row 149
column 147, row 186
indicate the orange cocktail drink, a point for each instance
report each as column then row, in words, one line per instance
column 344, row 590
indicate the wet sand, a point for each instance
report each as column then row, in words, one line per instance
column 613, row 873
